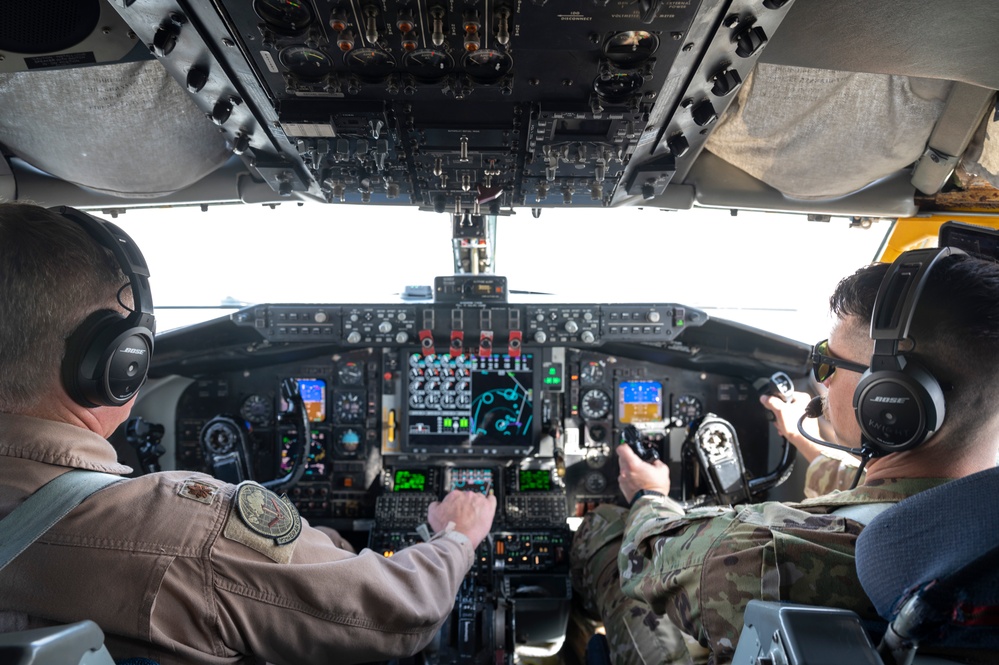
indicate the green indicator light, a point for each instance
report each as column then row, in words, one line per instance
column 552, row 370
column 679, row 322
column 556, row 380
column 463, row 422
column 448, row 422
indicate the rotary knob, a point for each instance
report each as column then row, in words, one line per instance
column 354, row 337
column 587, row 336
column 384, row 327
column 321, row 317
column 653, row 317
column 571, row 327
column 540, row 337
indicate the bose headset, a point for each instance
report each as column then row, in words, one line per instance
column 898, row 403
column 107, row 356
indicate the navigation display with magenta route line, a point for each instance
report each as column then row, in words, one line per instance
column 481, row 403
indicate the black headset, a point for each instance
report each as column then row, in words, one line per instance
column 107, row 356
column 898, row 403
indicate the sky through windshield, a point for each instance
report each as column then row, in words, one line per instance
column 773, row 271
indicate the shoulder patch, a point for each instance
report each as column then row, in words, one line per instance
column 264, row 521
column 198, row 490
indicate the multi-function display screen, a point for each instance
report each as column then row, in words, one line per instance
column 480, row 402
column 315, row 464
column 640, row 401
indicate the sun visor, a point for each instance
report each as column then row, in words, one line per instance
column 126, row 129
column 819, row 134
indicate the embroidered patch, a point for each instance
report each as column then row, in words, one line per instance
column 267, row 514
column 198, row 490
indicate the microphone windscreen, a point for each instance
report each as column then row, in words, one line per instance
column 814, row 408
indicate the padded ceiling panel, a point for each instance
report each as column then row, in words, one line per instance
column 913, row 38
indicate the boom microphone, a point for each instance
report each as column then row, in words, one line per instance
column 814, row 410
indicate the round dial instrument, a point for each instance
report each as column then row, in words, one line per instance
column 687, row 408
column 348, row 440
column 285, row 16
column 258, row 410
column 349, row 407
column 616, row 88
column 631, row 48
column 487, row 65
column 351, row 374
column 428, row 64
column 371, row 64
column 591, row 372
column 594, row 404
column 306, row 63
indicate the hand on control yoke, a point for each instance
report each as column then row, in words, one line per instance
column 471, row 512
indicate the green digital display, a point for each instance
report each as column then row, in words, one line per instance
column 534, row 480
column 409, row 481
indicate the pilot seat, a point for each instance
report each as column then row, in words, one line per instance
column 930, row 565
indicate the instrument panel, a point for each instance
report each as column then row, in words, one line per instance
column 405, row 402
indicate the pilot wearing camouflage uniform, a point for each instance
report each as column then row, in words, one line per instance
column 696, row 570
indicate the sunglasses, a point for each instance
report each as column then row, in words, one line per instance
column 824, row 365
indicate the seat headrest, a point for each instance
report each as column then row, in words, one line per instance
column 947, row 536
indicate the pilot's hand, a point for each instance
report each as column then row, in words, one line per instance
column 786, row 417
column 471, row 512
column 786, row 414
column 637, row 474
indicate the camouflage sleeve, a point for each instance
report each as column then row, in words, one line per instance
column 826, row 474
column 702, row 568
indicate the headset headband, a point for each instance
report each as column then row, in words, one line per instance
column 128, row 257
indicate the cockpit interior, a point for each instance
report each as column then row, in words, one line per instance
column 364, row 413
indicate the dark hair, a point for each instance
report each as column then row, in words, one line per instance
column 955, row 329
column 52, row 275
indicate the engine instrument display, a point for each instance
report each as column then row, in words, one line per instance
column 485, row 403
column 640, row 401
column 316, row 466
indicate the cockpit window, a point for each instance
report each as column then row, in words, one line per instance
column 771, row 271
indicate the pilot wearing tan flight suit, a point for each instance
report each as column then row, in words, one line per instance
column 177, row 566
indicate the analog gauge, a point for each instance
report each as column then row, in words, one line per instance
column 598, row 433
column 371, row 64
column 596, row 456
column 351, row 374
column 631, row 48
column 595, row 404
column 617, row 88
column 687, row 409
column 348, row 440
column 487, row 65
column 591, row 372
column 306, row 63
column 428, row 65
column 258, row 410
column 349, row 407
column 288, row 17
column 594, row 482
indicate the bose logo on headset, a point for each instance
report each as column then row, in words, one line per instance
column 890, row 400
column 107, row 357
column 898, row 403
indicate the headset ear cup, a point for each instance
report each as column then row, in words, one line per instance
column 106, row 360
column 898, row 410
